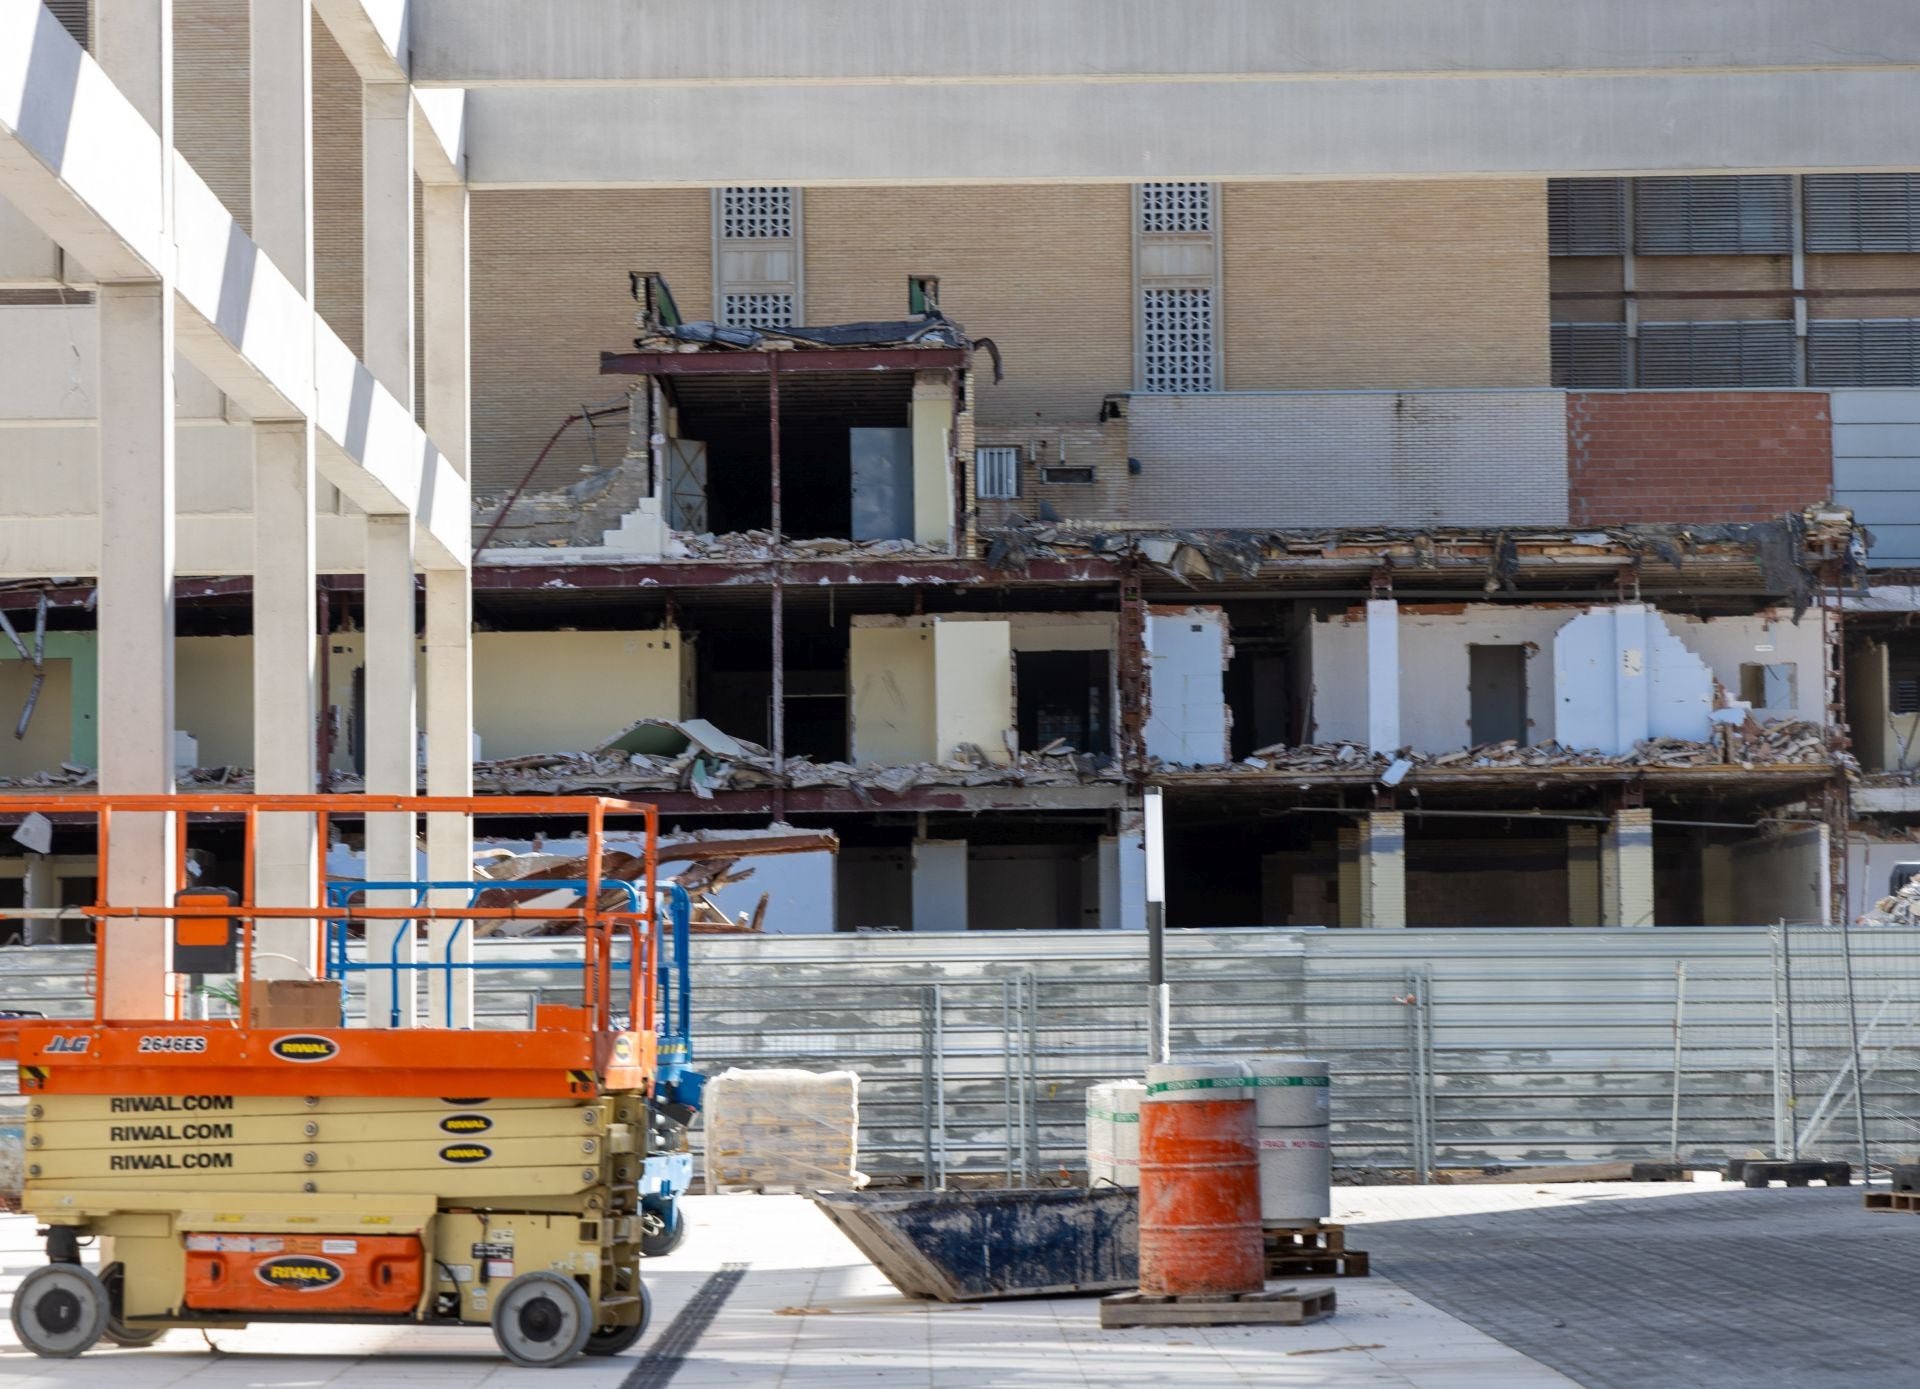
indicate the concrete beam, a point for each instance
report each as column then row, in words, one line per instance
column 1256, row 128
column 373, row 34
column 475, row 42
column 78, row 160
column 440, row 135
column 32, row 547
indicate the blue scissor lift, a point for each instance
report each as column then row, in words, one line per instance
column 668, row 1168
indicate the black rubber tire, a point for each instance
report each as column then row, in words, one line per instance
column 60, row 1311
column 113, row 1278
column 541, row 1320
column 671, row 1235
column 611, row 1340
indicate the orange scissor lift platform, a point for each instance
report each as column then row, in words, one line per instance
column 234, row 1170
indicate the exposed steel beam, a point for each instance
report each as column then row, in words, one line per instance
column 839, row 359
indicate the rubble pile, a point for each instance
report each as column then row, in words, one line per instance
column 1782, row 742
column 744, row 546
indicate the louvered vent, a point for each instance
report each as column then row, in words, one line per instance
column 996, row 473
column 1863, row 352
column 73, row 15
column 1586, row 216
column 1176, row 334
column 1757, row 352
column 1713, row 216
column 1176, row 207
column 1863, row 212
column 1592, row 355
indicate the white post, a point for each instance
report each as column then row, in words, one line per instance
column 284, row 619
column 392, row 757
column 1159, row 995
column 134, row 44
column 1383, row 675
column 449, row 677
column 387, row 234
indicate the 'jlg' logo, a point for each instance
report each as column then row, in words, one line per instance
column 72, row 1046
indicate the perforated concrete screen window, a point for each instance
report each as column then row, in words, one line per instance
column 758, row 265
column 1176, row 264
column 1176, row 329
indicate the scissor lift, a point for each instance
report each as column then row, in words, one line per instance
column 234, row 1174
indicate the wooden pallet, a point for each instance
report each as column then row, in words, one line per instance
column 1313, row 1251
column 1908, row 1201
column 1277, row 1307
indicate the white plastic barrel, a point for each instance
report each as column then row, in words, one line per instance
column 1100, row 1162
column 1125, row 1108
column 1197, row 1080
column 1296, row 1164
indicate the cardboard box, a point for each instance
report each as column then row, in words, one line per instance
column 284, row 1003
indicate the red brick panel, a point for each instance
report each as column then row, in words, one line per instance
column 1696, row 455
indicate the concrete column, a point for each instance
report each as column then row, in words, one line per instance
column 280, row 36
column 284, row 716
column 940, row 885
column 1583, row 875
column 931, row 414
column 39, row 888
column 1383, row 869
column 387, row 235
column 449, row 676
column 1626, row 870
column 392, row 755
column 1347, row 888
column 1383, row 675
column 134, row 44
column 449, row 773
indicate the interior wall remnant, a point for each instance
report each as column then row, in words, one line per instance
column 972, row 688
column 1621, row 675
column 1027, row 886
column 873, row 887
column 1794, row 651
column 525, row 701
column 1870, row 723
column 49, row 739
column 890, row 671
column 1128, row 908
column 1769, row 878
column 932, row 416
column 1187, row 655
column 1383, row 675
column 940, row 883
column 1583, row 875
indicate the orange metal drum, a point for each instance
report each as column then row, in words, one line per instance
column 376, row 1275
column 1200, row 1197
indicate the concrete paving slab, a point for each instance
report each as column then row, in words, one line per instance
column 1625, row 1286
column 811, row 1313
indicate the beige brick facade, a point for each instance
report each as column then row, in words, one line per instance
column 1347, row 285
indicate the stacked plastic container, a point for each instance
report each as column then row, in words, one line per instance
column 1296, row 1163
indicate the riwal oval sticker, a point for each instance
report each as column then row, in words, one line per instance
column 466, row 1123
column 623, row 1050
column 303, row 1047
column 465, row 1153
column 302, row 1273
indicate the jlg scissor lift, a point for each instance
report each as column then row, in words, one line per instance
column 232, row 1173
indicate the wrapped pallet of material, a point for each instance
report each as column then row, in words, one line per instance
column 770, row 1130
column 1125, row 1106
column 1100, row 1133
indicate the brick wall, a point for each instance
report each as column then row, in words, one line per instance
column 1350, row 458
column 1414, row 284
column 1696, row 455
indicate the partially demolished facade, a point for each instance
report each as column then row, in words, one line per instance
column 1187, row 487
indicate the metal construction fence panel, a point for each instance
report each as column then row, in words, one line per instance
column 1450, row 1050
